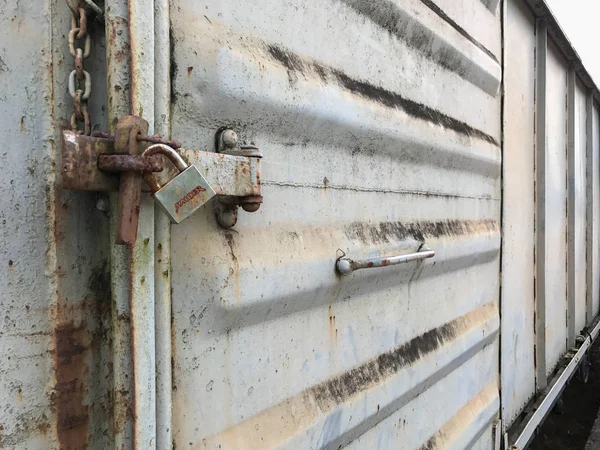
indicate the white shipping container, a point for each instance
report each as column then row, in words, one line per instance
column 462, row 134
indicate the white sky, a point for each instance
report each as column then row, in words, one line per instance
column 579, row 20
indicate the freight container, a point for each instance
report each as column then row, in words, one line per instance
column 402, row 251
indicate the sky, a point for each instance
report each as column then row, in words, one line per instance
column 579, row 21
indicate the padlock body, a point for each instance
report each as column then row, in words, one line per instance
column 184, row 194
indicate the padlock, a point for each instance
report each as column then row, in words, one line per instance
column 185, row 193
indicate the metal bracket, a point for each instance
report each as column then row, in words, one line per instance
column 226, row 209
column 89, row 163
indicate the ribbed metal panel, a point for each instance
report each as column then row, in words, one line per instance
column 359, row 108
column 556, row 208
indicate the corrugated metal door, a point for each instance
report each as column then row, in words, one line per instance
column 359, row 109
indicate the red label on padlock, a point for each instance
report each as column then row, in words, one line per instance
column 188, row 197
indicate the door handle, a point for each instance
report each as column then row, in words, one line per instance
column 345, row 265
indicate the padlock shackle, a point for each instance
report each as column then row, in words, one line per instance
column 169, row 152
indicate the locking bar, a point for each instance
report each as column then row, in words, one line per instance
column 236, row 178
column 345, row 265
column 150, row 139
column 130, row 163
column 226, row 210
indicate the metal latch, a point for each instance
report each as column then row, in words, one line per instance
column 126, row 164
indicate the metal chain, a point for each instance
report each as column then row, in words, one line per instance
column 80, row 81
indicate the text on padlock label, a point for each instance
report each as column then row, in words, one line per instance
column 189, row 197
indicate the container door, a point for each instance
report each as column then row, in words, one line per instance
column 380, row 127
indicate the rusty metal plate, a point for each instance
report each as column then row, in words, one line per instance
column 79, row 163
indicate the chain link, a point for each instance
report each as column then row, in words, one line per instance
column 80, row 80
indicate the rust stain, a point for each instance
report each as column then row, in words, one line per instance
column 119, row 52
column 27, row 426
column 333, row 331
column 22, row 123
column 235, row 271
column 189, row 71
column 43, row 426
column 71, row 341
column 77, row 344
column 71, row 351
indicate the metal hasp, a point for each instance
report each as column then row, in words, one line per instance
column 226, row 209
column 345, row 265
column 89, row 163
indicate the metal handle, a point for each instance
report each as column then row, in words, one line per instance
column 345, row 265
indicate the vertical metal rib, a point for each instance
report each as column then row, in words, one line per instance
column 540, row 231
column 130, row 83
column 571, row 78
column 162, row 227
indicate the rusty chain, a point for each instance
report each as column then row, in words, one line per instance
column 80, row 81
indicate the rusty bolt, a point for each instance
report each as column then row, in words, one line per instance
column 229, row 138
column 226, row 215
column 252, row 203
column 250, row 207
